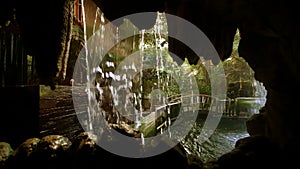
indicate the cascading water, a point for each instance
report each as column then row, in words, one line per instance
column 141, row 91
column 88, row 87
column 87, row 66
column 108, row 99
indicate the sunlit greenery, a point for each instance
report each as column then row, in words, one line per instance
column 165, row 73
column 160, row 71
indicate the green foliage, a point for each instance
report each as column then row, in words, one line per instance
column 240, row 77
column 78, row 32
column 164, row 73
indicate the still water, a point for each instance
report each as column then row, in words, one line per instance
column 220, row 142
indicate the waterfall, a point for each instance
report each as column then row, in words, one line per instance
column 89, row 64
column 141, row 94
column 125, row 99
column 96, row 17
column 88, row 85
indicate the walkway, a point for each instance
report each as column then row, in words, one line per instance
column 57, row 114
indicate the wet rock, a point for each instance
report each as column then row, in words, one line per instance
column 126, row 129
column 84, row 151
column 84, row 143
column 26, row 148
column 211, row 164
column 5, row 153
column 176, row 157
column 54, row 145
column 254, row 143
column 52, row 152
column 194, row 162
column 22, row 155
column 256, row 124
column 251, row 152
column 235, row 159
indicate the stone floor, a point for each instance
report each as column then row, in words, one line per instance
column 57, row 113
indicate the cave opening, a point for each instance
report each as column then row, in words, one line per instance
column 268, row 132
column 245, row 95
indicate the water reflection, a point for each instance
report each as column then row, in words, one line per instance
column 220, row 142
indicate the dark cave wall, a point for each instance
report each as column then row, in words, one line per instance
column 269, row 42
column 270, row 39
column 40, row 26
column 45, row 29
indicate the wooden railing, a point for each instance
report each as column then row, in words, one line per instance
column 226, row 107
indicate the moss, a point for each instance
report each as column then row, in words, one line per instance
column 5, row 152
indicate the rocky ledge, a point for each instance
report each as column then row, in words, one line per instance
column 57, row 151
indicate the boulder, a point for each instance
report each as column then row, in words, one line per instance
column 5, row 153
